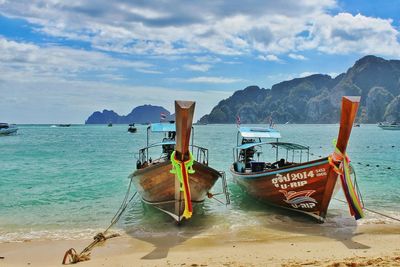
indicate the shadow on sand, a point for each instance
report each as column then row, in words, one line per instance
column 339, row 225
column 163, row 232
column 242, row 221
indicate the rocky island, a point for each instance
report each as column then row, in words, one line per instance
column 316, row 98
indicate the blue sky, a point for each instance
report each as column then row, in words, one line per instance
column 62, row 60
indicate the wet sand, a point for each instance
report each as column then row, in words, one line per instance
column 365, row 245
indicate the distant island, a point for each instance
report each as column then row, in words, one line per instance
column 140, row 114
column 316, row 98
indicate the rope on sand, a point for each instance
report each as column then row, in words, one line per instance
column 71, row 256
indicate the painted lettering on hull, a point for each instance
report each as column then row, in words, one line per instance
column 300, row 199
column 293, row 180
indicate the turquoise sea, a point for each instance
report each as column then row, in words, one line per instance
column 68, row 182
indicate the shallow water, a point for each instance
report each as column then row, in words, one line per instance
column 67, row 182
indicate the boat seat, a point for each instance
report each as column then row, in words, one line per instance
column 257, row 166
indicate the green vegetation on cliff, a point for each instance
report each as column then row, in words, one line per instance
column 316, row 98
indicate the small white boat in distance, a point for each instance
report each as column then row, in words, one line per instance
column 6, row 129
column 389, row 126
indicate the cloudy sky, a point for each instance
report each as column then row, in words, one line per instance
column 62, row 60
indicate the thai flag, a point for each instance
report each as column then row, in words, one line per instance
column 238, row 120
column 163, row 116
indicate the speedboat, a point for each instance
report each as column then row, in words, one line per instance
column 7, row 129
column 389, row 126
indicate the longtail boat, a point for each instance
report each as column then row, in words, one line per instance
column 177, row 179
column 306, row 187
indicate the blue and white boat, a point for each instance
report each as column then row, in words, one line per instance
column 8, row 129
column 389, row 126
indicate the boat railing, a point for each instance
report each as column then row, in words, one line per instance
column 144, row 156
column 201, row 154
column 245, row 153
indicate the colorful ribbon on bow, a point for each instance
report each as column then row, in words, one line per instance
column 338, row 158
column 182, row 169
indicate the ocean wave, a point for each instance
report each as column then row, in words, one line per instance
column 39, row 235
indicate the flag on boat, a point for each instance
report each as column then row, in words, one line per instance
column 163, row 116
column 271, row 122
column 238, row 120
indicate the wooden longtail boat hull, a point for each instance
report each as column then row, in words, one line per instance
column 306, row 187
column 156, row 185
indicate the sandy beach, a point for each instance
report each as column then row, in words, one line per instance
column 367, row 245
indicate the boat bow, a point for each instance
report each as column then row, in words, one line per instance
column 339, row 160
column 181, row 158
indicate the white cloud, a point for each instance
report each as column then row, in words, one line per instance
column 207, row 59
column 306, row 73
column 73, row 101
column 197, row 67
column 297, row 56
column 50, row 85
column 269, row 58
column 29, row 61
column 200, row 36
column 225, row 28
column 345, row 33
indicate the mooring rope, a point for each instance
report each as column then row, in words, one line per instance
column 212, row 196
column 373, row 211
column 362, row 199
column 71, row 256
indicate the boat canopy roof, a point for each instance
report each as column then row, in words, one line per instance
column 163, row 127
column 288, row 146
column 259, row 132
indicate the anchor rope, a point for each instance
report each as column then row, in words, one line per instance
column 373, row 211
column 71, row 256
column 212, row 196
column 224, row 191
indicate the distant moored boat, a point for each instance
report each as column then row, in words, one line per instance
column 132, row 128
column 389, row 126
column 7, row 129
